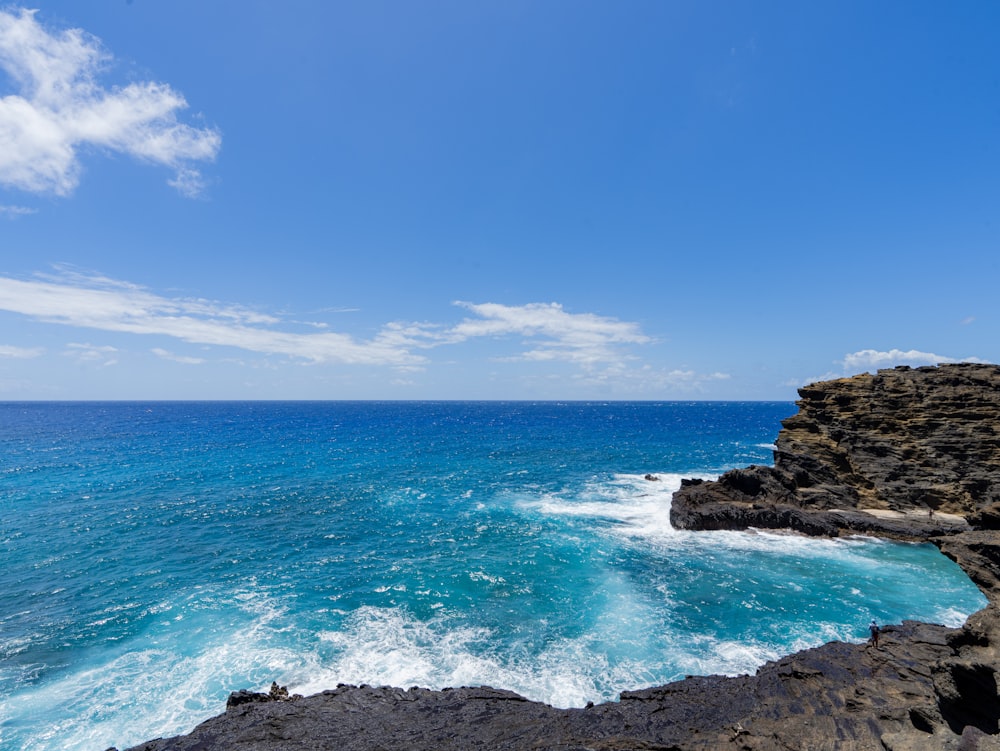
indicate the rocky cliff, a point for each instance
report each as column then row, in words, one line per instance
column 906, row 452
column 910, row 453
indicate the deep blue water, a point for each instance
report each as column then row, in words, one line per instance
column 156, row 556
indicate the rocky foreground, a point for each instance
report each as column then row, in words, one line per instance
column 907, row 453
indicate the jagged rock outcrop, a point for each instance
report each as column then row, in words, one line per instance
column 873, row 454
column 905, row 452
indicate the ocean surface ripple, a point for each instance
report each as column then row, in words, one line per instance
column 156, row 556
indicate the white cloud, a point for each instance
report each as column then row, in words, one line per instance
column 167, row 355
column 97, row 302
column 107, row 305
column 59, row 107
column 104, row 354
column 12, row 212
column 871, row 359
column 685, row 380
column 20, row 353
column 582, row 338
column 189, row 183
column 622, row 380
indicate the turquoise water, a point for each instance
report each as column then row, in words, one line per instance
column 156, row 556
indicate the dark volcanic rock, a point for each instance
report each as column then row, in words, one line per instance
column 910, row 453
column 906, row 452
column 919, row 690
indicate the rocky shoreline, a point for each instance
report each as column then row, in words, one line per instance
column 907, row 453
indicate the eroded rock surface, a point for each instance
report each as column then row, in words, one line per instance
column 873, row 454
column 906, row 452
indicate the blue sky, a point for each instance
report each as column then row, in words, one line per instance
column 493, row 200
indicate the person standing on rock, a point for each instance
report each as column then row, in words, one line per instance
column 873, row 629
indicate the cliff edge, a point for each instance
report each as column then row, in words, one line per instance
column 906, row 453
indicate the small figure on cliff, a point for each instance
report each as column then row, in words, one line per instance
column 278, row 693
column 873, row 629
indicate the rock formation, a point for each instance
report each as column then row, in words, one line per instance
column 907, row 453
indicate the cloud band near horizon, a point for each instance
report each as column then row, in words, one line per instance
column 99, row 303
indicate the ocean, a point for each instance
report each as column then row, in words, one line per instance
column 156, row 556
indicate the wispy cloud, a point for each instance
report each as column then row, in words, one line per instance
column 20, row 353
column 59, row 107
column 547, row 331
column 13, row 212
column 583, row 338
column 96, row 302
column 188, row 182
column 167, row 355
column 872, row 359
column 643, row 380
column 90, row 353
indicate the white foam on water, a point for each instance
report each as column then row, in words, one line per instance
column 705, row 654
column 951, row 617
column 640, row 508
column 149, row 692
column 637, row 507
column 382, row 646
column 638, row 511
column 727, row 657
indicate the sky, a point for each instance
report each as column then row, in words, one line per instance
column 545, row 200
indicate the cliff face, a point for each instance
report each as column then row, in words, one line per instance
column 924, row 439
column 906, row 452
column 875, row 454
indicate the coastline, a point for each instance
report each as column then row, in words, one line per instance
column 866, row 455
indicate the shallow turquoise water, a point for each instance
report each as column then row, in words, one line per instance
column 157, row 556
